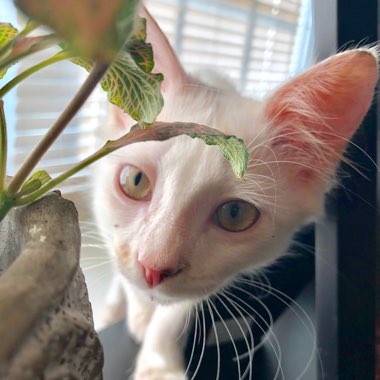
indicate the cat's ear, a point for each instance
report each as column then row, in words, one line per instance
column 165, row 59
column 313, row 116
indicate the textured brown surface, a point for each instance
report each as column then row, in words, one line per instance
column 46, row 324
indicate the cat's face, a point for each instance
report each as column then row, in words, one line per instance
column 177, row 205
column 180, row 224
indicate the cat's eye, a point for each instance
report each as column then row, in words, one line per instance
column 236, row 216
column 134, row 183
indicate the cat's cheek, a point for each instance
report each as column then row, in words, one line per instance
column 127, row 264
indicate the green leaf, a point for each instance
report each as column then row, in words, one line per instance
column 34, row 183
column 129, row 82
column 133, row 90
column 95, row 29
column 130, row 88
column 232, row 148
column 7, row 34
column 140, row 51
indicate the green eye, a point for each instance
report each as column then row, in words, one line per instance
column 236, row 216
column 134, row 183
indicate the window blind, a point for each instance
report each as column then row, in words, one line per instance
column 251, row 41
column 41, row 99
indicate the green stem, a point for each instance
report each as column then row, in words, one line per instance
column 29, row 27
column 3, row 146
column 19, row 78
column 71, row 110
column 63, row 177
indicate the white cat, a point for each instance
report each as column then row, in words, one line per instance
column 182, row 226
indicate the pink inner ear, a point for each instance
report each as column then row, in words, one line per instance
column 330, row 100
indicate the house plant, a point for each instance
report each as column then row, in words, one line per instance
column 47, row 328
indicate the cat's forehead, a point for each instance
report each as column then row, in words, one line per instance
column 227, row 112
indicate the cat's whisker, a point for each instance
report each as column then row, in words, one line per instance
column 302, row 315
column 356, row 146
column 95, row 266
column 204, row 335
column 262, row 131
column 188, row 319
column 95, row 235
column 96, row 241
column 318, row 145
column 92, row 258
column 249, row 347
column 230, row 336
column 267, row 334
column 195, row 337
column 217, row 344
column 271, row 180
column 257, row 183
column 186, row 324
column 262, row 278
column 91, row 282
column 95, row 246
column 239, row 304
column 321, row 149
column 301, row 164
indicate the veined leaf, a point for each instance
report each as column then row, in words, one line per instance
column 133, row 90
column 95, row 29
column 38, row 179
column 7, row 34
column 129, row 82
column 130, row 88
column 140, row 51
column 232, row 148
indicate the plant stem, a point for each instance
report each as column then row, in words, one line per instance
column 73, row 107
column 19, row 78
column 63, row 177
column 29, row 27
column 3, row 146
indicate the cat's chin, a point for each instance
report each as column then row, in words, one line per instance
column 159, row 297
column 166, row 294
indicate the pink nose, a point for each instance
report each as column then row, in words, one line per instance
column 154, row 277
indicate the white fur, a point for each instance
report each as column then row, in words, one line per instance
column 190, row 180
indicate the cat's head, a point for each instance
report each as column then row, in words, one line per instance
column 180, row 224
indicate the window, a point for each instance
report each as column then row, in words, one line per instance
column 257, row 43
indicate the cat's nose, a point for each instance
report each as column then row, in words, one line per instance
column 154, row 277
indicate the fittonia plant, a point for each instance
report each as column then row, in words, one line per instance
column 105, row 38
